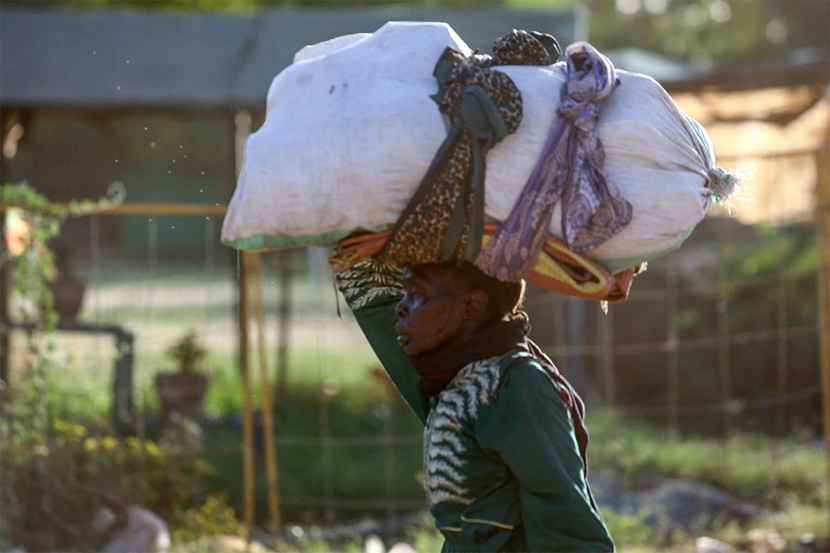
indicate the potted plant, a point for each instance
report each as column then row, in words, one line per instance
column 183, row 391
column 29, row 243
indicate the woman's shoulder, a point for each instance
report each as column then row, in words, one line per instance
column 516, row 372
column 524, row 365
column 526, row 391
column 523, row 376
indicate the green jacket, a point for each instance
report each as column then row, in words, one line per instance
column 502, row 468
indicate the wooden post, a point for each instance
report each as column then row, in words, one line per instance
column 607, row 360
column 248, row 452
column 241, row 124
column 672, row 345
column 265, row 391
column 724, row 345
column 283, row 318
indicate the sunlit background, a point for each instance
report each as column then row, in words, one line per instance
column 704, row 388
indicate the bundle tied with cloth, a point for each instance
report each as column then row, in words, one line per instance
column 406, row 145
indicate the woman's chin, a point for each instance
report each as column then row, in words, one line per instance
column 405, row 343
column 411, row 351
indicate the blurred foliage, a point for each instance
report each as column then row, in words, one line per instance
column 785, row 477
column 711, row 31
column 192, row 475
column 213, row 518
column 631, row 530
column 780, row 475
column 363, row 465
column 34, row 266
column 783, row 261
column 57, row 476
column 40, row 253
column 771, row 473
column 746, row 323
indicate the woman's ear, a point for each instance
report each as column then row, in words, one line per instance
column 477, row 305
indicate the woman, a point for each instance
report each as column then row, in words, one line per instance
column 504, row 443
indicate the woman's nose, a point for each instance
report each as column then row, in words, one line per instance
column 401, row 309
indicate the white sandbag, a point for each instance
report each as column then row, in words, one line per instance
column 351, row 129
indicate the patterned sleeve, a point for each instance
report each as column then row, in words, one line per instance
column 533, row 435
column 372, row 290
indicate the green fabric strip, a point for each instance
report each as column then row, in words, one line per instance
column 259, row 242
column 618, row 264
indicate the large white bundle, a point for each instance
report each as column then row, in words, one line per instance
column 351, row 129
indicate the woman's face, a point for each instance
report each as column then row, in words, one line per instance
column 433, row 313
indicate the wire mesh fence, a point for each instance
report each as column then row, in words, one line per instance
column 720, row 337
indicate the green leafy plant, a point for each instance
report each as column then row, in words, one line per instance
column 32, row 248
column 213, row 518
column 55, row 478
column 187, row 352
column 183, row 391
column 29, row 249
column 32, row 225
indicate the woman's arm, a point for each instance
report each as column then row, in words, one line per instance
column 372, row 291
column 532, row 433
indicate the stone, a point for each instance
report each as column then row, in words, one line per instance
column 766, row 540
column 374, row 544
column 711, row 545
column 145, row 532
column 682, row 505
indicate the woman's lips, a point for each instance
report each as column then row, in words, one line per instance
column 400, row 335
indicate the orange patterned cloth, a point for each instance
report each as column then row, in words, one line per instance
column 558, row 268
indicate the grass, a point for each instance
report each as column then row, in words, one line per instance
column 540, row 3
column 785, row 476
column 754, row 467
column 356, row 467
column 352, row 451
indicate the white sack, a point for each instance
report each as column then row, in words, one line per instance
column 351, row 129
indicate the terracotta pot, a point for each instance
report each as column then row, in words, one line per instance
column 181, row 393
column 68, row 295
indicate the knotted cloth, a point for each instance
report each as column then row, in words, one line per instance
column 559, row 268
column 570, row 169
column 444, row 218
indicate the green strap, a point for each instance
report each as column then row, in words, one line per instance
column 483, row 122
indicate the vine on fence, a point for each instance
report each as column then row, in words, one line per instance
column 29, row 252
column 30, row 246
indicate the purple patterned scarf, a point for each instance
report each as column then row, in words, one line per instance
column 570, row 169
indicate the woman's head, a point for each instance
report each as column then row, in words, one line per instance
column 446, row 304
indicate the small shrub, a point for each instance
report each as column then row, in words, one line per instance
column 213, row 518
column 425, row 537
column 54, row 482
column 753, row 467
column 632, row 530
column 187, row 352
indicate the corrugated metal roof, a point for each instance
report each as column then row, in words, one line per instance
column 125, row 58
